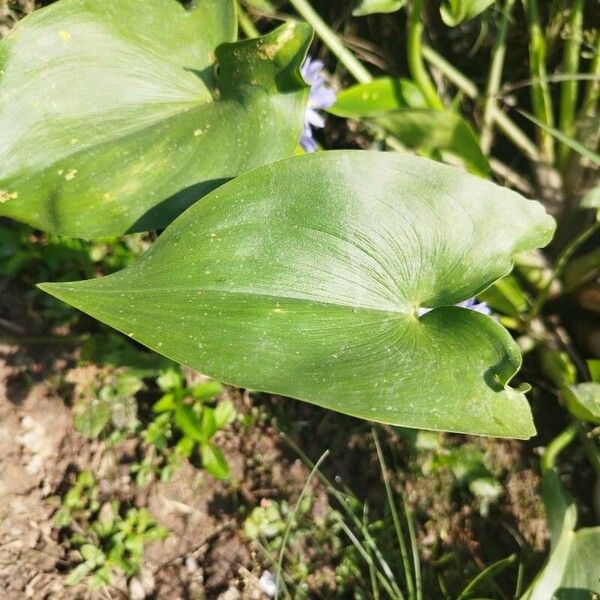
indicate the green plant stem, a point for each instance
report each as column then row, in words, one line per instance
column 503, row 122
column 410, row 586
column 488, row 572
column 415, row 57
column 570, row 66
column 592, row 90
column 245, row 22
column 540, row 92
column 332, row 41
column 462, row 82
column 558, row 444
column 495, row 78
column 292, row 516
column 559, row 267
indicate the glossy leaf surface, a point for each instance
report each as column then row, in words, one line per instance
column 304, row 278
column 380, row 95
column 116, row 120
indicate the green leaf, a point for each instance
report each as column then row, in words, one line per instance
column 78, row 573
column 92, row 555
column 214, row 461
column 128, row 384
column 209, row 424
column 164, row 404
column 558, row 367
column 92, row 417
column 304, row 278
column 507, row 296
column 224, row 414
column 169, row 380
column 437, row 130
column 207, row 390
column 572, row 570
column 581, row 577
column 594, row 369
column 369, row 7
column 116, row 119
column 378, row 96
column 189, row 422
column 454, row 12
column 398, row 106
column 184, row 447
column 583, row 401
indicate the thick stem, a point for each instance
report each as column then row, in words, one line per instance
column 332, row 41
column 415, row 57
column 540, row 92
column 495, row 78
column 569, row 88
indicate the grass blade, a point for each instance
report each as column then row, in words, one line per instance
column 291, row 518
column 396, row 519
column 565, row 139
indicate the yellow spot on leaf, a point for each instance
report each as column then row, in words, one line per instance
column 6, row 196
column 270, row 51
column 65, row 35
column 201, row 130
column 71, row 174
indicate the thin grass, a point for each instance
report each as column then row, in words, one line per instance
column 291, row 518
column 410, row 585
column 385, row 574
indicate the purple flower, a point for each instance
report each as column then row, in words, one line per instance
column 321, row 97
column 471, row 304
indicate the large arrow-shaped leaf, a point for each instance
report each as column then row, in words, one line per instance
column 305, row 277
column 112, row 118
